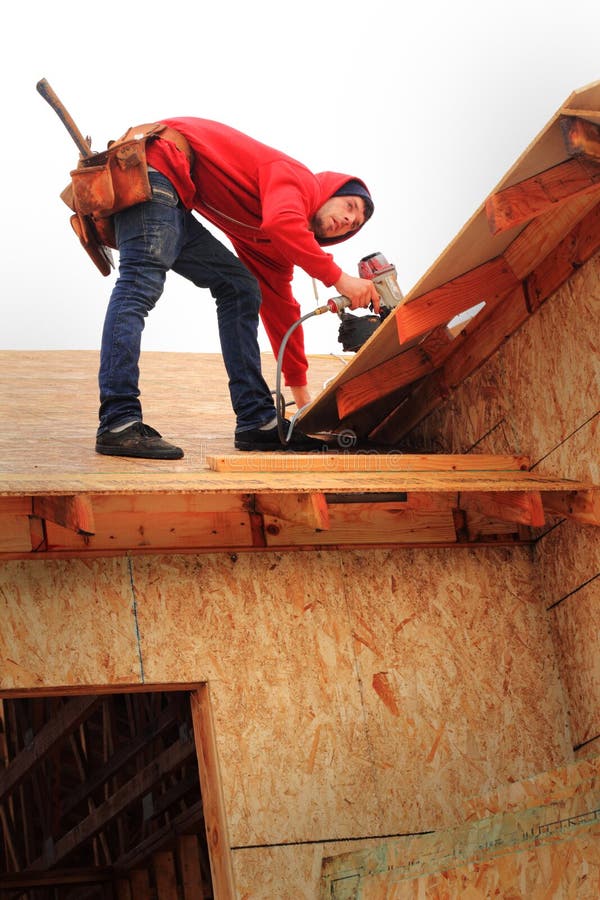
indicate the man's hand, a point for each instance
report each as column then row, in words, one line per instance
column 300, row 395
column 359, row 291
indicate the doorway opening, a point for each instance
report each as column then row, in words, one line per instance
column 101, row 799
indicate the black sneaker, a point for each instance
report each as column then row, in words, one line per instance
column 268, row 439
column 138, row 440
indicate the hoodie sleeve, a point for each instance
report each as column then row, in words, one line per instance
column 289, row 196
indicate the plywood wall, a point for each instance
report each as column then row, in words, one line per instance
column 355, row 694
column 540, row 395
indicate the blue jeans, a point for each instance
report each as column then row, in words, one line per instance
column 153, row 238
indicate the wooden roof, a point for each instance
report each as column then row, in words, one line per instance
column 538, row 225
column 58, row 497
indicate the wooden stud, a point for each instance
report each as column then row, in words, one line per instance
column 74, row 512
column 121, row 799
column 570, row 254
column 582, row 506
column 212, row 794
column 67, row 719
column 307, row 509
column 522, row 202
column 590, row 115
column 165, row 875
column 581, row 138
column 440, row 305
column 367, row 524
column 513, row 506
column 124, row 889
column 484, row 336
column 541, row 236
column 140, row 884
column 194, row 887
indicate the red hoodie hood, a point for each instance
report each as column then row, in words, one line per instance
column 330, row 182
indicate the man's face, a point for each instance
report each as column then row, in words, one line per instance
column 338, row 216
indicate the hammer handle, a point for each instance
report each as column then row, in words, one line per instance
column 50, row 97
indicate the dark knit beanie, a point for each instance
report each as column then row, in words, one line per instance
column 357, row 189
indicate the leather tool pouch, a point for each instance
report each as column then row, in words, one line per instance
column 104, row 184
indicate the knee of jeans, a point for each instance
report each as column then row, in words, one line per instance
column 242, row 287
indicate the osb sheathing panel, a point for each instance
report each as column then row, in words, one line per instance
column 497, row 852
column 579, row 659
column 358, row 693
column 568, row 868
column 285, row 873
column 578, row 780
column 354, row 694
column 67, row 623
column 450, row 670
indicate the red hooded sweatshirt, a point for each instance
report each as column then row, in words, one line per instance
column 263, row 201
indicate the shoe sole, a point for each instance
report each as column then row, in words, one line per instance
column 120, row 451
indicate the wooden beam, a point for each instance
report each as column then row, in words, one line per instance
column 524, row 201
column 369, row 462
column 440, row 305
column 591, row 115
column 523, row 508
column 121, row 757
column 121, row 800
column 66, row 720
column 140, row 884
column 56, row 877
column 424, row 396
column 386, row 378
column 194, row 887
column 212, row 795
column 306, row 509
column 482, row 338
column 582, row 506
column 188, row 820
column 582, row 242
column 73, row 512
column 395, row 373
column 581, row 138
column 165, row 875
column 541, row 236
column 371, row 523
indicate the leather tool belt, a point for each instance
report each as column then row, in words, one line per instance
column 108, row 182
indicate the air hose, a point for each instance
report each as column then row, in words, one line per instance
column 334, row 305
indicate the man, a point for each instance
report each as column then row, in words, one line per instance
column 278, row 215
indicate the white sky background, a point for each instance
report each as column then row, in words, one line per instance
column 430, row 103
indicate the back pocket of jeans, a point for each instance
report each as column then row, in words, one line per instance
column 164, row 193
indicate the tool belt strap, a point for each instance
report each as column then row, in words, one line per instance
column 157, row 129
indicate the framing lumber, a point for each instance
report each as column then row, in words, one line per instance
column 134, row 860
column 67, row 719
column 210, row 783
column 121, row 757
column 74, row 512
column 368, row 462
column 581, row 506
column 517, row 507
column 524, row 201
column 305, row 509
column 394, row 373
column 580, row 244
column 437, row 307
column 582, row 138
column 122, row 798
